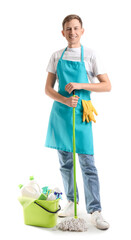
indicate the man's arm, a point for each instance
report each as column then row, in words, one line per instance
column 49, row 88
column 104, row 85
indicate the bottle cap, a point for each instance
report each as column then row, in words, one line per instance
column 31, row 178
column 20, row 186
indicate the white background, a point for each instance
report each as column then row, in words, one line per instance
column 30, row 32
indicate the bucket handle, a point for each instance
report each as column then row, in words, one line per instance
column 48, row 210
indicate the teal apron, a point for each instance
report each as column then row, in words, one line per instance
column 60, row 128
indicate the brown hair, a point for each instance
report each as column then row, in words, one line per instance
column 70, row 17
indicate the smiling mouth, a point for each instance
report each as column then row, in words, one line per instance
column 72, row 37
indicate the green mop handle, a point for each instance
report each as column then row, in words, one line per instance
column 74, row 161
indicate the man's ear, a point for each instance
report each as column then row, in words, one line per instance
column 63, row 33
column 83, row 30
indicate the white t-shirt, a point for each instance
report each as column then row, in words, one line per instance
column 92, row 61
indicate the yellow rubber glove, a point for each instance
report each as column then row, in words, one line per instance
column 88, row 110
column 85, row 111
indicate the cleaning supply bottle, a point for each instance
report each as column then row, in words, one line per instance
column 51, row 197
column 42, row 197
column 31, row 189
column 57, row 193
column 45, row 190
column 54, row 194
column 33, row 183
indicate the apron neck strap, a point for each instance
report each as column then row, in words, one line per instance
column 63, row 53
column 82, row 53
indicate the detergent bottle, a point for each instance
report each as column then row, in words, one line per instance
column 54, row 194
column 34, row 184
column 31, row 189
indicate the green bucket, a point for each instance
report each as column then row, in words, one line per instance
column 41, row 213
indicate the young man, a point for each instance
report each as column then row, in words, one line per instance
column 74, row 69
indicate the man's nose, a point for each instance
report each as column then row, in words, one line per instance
column 72, row 31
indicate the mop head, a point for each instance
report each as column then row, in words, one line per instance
column 72, row 224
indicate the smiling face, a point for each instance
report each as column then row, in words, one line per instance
column 72, row 32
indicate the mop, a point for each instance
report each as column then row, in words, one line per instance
column 73, row 224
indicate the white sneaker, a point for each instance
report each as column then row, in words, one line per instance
column 98, row 221
column 68, row 210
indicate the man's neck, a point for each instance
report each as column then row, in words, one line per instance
column 74, row 45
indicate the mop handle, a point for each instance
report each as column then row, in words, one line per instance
column 74, row 162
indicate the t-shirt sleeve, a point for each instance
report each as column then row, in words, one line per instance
column 51, row 65
column 97, row 65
